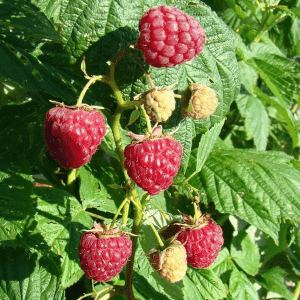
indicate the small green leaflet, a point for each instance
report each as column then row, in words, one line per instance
column 245, row 253
column 256, row 119
column 206, row 145
column 241, row 288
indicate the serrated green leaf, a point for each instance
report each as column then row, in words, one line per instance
column 272, row 280
column 276, row 70
column 94, row 184
column 61, row 219
column 206, row 285
column 223, row 265
column 258, row 187
column 206, row 144
column 282, row 110
column 241, row 288
column 248, row 76
column 25, row 276
column 185, row 136
column 16, row 204
column 256, row 119
column 21, row 127
column 245, row 253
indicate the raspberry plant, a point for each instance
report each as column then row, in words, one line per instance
column 149, row 150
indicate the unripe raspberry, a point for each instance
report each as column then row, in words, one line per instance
column 199, row 101
column 171, row 263
column 152, row 162
column 104, row 254
column 73, row 135
column 169, row 37
column 202, row 245
column 159, row 104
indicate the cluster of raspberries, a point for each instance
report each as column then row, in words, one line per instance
column 168, row 37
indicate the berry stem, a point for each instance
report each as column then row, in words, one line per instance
column 196, row 212
column 95, row 216
column 149, row 127
column 297, row 291
column 125, row 201
column 71, row 179
column 91, row 81
column 138, row 217
column 160, row 242
column 152, row 84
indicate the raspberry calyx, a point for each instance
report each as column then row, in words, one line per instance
column 103, row 253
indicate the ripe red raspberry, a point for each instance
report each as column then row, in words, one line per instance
column 73, row 135
column 169, row 37
column 102, row 257
column 152, row 164
column 202, row 245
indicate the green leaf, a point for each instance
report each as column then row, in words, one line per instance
column 133, row 117
column 61, row 219
column 272, row 280
column 283, row 111
column 241, row 288
column 206, row 144
column 276, row 70
column 256, row 119
column 21, row 127
column 248, row 76
column 223, row 265
column 27, row 276
column 203, row 284
column 185, row 136
column 95, row 180
column 258, row 187
column 16, row 204
column 245, row 253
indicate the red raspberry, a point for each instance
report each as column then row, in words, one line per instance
column 152, row 164
column 202, row 245
column 73, row 135
column 169, row 37
column 102, row 258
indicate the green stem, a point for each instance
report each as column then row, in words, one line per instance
column 196, row 212
column 115, row 127
column 125, row 201
column 91, row 81
column 95, row 216
column 138, row 216
column 125, row 213
column 84, row 296
column 297, row 291
column 71, row 180
column 160, row 242
column 149, row 127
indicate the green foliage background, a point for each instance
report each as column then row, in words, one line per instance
column 243, row 160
